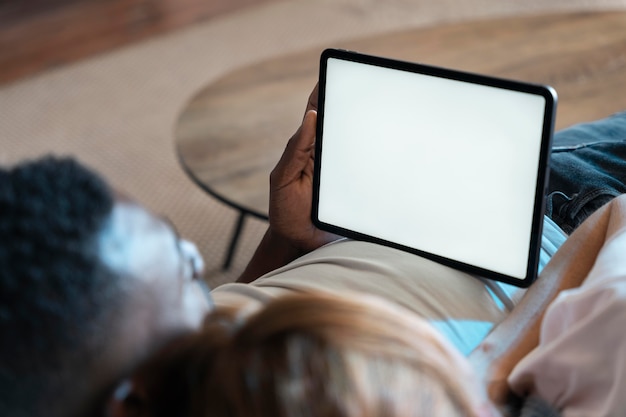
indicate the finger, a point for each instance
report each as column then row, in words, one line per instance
column 313, row 99
column 303, row 139
column 306, row 138
column 308, row 169
column 297, row 153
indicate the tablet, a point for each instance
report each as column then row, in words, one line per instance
column 445, row 164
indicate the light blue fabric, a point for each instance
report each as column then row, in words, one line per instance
column 551, row 239
column 464, row 334
column 467, row 334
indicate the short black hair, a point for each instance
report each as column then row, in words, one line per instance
column 53, row 288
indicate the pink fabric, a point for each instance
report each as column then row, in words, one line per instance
column 580, row 364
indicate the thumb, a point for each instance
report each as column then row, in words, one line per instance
column 304, row 138
column 313, row 99
column 298, row 151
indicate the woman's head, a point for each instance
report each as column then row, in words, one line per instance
column 312, row 355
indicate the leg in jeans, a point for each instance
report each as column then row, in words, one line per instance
column 588, row 168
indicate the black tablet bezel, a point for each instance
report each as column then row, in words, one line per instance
column 543, row 166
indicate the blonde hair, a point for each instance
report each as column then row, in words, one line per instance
column 311, row 355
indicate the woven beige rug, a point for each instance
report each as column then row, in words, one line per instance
column 117, row 111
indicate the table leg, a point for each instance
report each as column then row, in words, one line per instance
column 234, row 240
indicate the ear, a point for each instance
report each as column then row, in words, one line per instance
column 127, row 400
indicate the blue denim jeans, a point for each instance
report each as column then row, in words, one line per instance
column 587, row 169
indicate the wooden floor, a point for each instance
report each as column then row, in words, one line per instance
column 36, row 35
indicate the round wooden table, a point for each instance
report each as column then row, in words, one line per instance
column 231, row 134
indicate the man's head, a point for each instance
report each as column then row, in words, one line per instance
column 90, row 284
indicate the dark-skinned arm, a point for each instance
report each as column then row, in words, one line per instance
column 291, row 232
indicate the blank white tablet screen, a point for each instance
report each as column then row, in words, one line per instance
column 442, row 166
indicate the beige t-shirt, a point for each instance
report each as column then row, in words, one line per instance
column 462, row 306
